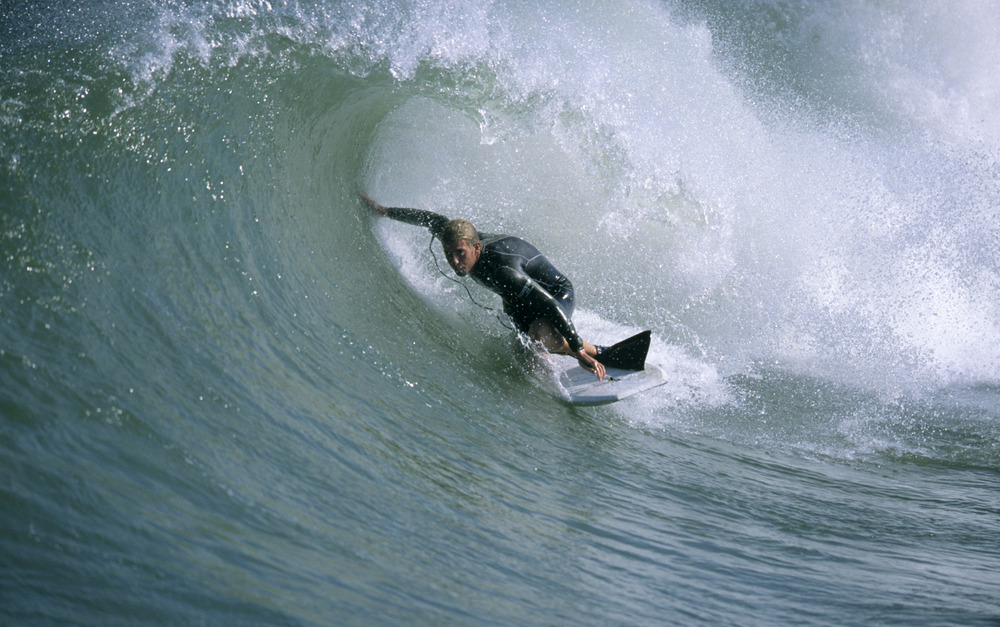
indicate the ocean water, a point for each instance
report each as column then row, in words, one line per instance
column 229, row 395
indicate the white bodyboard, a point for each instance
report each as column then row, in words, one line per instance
column 582, row 387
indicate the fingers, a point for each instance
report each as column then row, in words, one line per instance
column 374, row 206
column 592, row 365
column 598, row 369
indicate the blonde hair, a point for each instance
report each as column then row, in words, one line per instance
column 458, row 230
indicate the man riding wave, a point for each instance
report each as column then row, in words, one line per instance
column 536, row 296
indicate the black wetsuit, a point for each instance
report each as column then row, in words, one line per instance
column 529, row 285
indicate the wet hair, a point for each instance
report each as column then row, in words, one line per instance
column 458, row 230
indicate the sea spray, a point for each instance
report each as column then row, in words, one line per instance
column 231, row 395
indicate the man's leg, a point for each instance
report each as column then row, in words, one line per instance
column 541, row 330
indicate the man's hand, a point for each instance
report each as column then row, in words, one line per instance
column 589, row 363
column 374, row 206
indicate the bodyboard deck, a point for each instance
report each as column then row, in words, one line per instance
column 582, row 387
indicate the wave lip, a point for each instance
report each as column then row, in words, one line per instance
column 211, row 355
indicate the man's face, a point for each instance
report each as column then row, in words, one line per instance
column 462, row 256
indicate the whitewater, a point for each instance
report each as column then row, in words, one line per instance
column 229, row 394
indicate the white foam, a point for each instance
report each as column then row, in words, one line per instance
column 675, row 199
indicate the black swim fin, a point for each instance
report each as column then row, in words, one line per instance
column 628, row 354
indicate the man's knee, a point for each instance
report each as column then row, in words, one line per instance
column 541, row 330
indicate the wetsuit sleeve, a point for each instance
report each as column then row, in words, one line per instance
column 527, row 292
column 419, row 217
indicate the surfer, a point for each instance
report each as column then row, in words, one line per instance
column 536, row 297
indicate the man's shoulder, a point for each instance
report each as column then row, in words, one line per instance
column 489, row 239
column 502, row 243
column 500, row 254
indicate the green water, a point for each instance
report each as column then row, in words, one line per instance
column 228, row 395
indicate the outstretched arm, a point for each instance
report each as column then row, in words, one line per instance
column 417, row 217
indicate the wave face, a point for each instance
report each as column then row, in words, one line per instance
column 229, row 395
